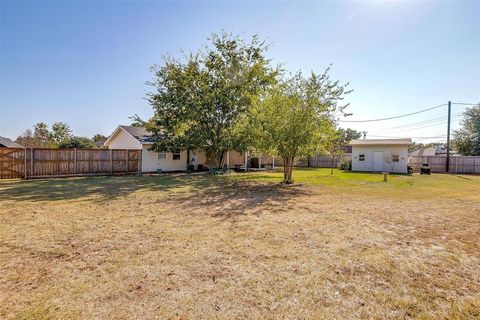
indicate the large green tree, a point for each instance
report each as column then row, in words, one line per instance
column 467, row 139
column 40, row 137
column 60, row 131
column 77, row 142
column 296, row 119
column 199, row 100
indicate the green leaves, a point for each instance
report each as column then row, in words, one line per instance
column 199, row 101
column 228, row 96
column 296, row 118
column 467, row 138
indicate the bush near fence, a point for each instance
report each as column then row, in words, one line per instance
column 47, row 162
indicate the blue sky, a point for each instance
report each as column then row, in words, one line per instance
column 86, row 63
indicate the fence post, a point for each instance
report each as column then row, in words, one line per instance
column 111, row 162
column 25, row 156
column 126, row 162
column 31, row 162
column 140, row 168
column 75, row 161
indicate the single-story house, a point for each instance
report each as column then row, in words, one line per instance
column 129, row 137
column 380, row 155
column 100, row 142
column 8, row 143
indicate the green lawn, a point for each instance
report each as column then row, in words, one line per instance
column 398, row 185
column 236, row 246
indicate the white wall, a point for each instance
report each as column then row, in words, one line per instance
column 123, row 140
column 388, row 165
column 151, row 163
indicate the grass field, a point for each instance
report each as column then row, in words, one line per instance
column 241, row 246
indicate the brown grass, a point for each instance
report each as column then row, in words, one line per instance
column 220, row 247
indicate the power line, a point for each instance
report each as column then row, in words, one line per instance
column 438, row 123
column 420, row 123
column 396, row 117
column 410, row 114
column 420, row 138
column 465, row 104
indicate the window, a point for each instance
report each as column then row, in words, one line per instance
column 395, row 158
column 176, row 155
column 361, row 157
column 162, row 155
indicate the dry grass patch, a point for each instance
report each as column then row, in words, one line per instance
column 231, row 247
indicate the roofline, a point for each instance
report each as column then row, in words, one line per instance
column 114, row 132
column 380, row 142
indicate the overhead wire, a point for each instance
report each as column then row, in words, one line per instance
column 415, row 125
column 420, row 138
column 465, row 104
column 396, row 117
column 411, row 113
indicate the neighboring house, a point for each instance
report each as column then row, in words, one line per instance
column 440, row 150
column 379, row 155
column 100, row 142
column 128, row 137
column 7, row 143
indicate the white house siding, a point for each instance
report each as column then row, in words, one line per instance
column 123, row 140
column 201, row 157
column 388, row 165
column 151, row 163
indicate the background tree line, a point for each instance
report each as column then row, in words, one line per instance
column 59, row 135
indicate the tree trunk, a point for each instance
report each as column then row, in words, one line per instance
column 288, row 168
column 333, row 163
column 219, row 155
column 290, row 180
column 285, row 166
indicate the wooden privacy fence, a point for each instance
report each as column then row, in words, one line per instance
column 322, row 161
column 42, row 162
column 458, row 164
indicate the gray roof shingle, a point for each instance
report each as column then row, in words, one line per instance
column 7, row 143
column 140, row 133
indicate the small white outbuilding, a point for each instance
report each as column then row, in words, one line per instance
column 380, row 155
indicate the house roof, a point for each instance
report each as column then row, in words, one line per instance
column 440, row 150
column 372, row 142
column 139, row 133
column 100, row 142
column 424, row 152
column 7, row 143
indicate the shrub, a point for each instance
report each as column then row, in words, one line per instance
column 346, row 165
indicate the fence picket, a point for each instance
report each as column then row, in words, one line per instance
column 49, row 162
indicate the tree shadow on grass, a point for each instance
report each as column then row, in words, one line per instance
column 101, row 188
column 219, row 196
column 227, row 198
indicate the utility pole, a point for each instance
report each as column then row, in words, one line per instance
column 448, row 135
column 364, row 134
